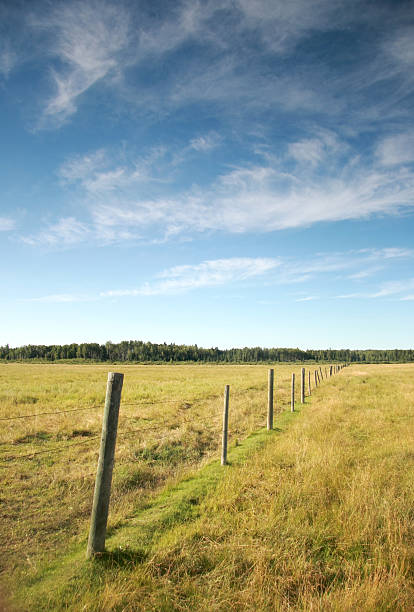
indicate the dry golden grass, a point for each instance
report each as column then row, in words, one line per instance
column 46, row 497
column 320, row 518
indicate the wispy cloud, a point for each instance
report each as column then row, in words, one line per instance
column 272, row 271
column 389, row 253
column 263, row 271
column 205, row 142
column 247, row 198
column 394, row 288
column 89, row 41
column 396, row 149
column 379, row 257
column 66, row 232
column 350, row 296
column 308, row 298
column 386, row 289
column 364, row 273
column 8, row 59
column 103, row 42
column 321, row 147
column 7, row 224
column 211, row 273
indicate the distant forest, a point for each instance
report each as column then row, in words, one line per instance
column 147, row 352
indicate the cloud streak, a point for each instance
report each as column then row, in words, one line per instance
column 211, row 273
column 255, row 271
column 389, row 289
column 88, row 42
column 67, row 232
column 261, row 197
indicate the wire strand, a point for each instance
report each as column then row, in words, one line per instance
column 51, row 450
column 27, row 416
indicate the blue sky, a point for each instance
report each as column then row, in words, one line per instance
column 225, row 173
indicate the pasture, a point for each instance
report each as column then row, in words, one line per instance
column 315, row 515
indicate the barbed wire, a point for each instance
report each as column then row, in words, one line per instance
column 142, row 403
column 84, row 408
column 5, row 461
column 8, row 460
column 164, row 401
column 27, row 416
column 176, row 424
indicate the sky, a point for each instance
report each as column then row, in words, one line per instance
column 217, row 172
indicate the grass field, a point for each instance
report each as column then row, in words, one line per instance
column 317, row 515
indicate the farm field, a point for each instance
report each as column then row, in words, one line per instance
column 315, row 515
column 179, row 407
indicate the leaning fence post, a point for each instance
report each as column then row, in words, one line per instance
column 309, row 383
column 102, row 493
column 302, row 386
column 292, row 401
column 225, row 425
column 320, row 369
column 270, row 400
column 316, row 378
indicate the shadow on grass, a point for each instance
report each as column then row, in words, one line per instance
column 120, row 558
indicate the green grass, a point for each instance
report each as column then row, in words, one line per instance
column 45, row 498
column 316, row 516
column 132, row 541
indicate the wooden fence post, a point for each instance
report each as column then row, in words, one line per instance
column 292, row 400
column 102, row 493
column 316, row 378
column 309, row 383
column 225, row 425
column 270, row 399
column 320, row 369
column 302, row 386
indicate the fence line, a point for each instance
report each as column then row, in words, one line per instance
column 137, row 431
column 85, row 408
column 96, row 542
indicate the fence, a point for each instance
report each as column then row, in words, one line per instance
column 102, row 491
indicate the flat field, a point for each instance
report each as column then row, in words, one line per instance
column 170, row 419
column 317, row 515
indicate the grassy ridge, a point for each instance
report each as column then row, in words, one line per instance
column 321, row 518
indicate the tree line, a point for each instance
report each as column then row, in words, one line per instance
column 148, row 352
